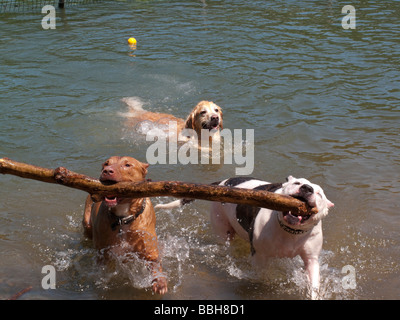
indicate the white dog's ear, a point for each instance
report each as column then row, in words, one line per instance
column 288, row 179
column 330, row 204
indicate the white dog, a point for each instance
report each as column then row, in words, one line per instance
column 273, row 233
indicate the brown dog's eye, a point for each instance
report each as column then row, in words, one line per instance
column 203, row 112
column 128, row 165
column 216, row 110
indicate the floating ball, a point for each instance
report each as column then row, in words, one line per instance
column 132, row 41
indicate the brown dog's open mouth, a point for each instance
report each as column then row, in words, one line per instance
column 111, row 201
column 108, row 182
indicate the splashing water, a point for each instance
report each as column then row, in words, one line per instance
column 186, row 250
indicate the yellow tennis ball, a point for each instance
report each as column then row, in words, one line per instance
column 132, row 41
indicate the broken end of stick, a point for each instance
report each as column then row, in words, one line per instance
column 3, row 163
column 304, row 209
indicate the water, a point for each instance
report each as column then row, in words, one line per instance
column 323, row 103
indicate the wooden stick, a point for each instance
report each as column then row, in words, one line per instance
column 63, row 176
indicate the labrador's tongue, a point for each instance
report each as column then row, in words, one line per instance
column 111, row 201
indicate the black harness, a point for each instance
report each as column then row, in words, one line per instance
column 246, row 215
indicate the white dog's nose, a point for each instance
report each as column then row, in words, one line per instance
column 306, row 189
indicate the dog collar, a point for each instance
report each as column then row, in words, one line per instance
column 290, row 230
column 120, row 221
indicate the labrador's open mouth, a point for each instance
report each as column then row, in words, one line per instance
column 210, row 125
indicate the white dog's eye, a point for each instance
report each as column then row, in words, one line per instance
column 297, row 183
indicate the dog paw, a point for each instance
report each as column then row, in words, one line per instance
column 160, row 286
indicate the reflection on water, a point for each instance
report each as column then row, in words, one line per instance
column 323, row 103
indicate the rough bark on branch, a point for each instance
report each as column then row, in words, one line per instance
column 63, row 176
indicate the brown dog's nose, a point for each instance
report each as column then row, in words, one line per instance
column 108, row 174
column 107, row 171
column 214, row 118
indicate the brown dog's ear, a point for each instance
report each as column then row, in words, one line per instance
column 144, row 167
column 221, row 122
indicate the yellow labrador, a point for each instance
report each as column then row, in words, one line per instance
column 206, row 115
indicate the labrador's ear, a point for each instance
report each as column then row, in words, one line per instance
column 189, row 121
column 221, row 122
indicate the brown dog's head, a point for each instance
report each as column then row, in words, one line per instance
column 121, row 169
column 205, row 115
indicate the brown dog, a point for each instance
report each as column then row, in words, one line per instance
column 205, row 115
column 124, row 225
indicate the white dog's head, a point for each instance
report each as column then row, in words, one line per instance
column 312, row 194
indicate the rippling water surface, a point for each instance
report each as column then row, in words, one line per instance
column 324, row 104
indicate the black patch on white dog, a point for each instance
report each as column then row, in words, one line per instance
column 272, row 187
column 246, row 215
column 233, row 182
